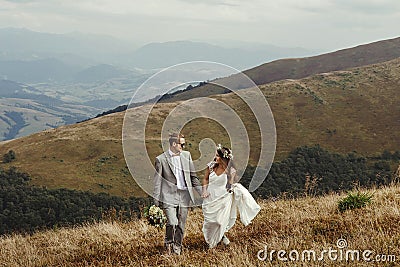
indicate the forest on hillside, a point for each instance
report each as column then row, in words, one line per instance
column 26, row 208
column 315, row 171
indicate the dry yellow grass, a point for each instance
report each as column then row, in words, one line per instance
column 301, row 224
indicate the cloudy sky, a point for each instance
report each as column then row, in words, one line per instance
column 316, row 24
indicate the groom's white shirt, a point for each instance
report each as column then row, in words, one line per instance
column 178, row 170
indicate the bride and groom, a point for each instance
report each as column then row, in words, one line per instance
column 174, row 181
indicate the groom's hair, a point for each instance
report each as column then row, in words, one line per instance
column 175, row 137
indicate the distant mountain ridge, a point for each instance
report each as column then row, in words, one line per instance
column 297, row 68
column 24, row 44
column 87, row 49
column 161, row 55
column 54, row 70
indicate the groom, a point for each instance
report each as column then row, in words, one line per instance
column 174, row 180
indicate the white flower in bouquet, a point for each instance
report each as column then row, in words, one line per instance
column 155, row 216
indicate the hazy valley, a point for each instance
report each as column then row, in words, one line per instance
column 90, row 74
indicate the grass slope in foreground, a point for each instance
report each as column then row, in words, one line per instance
column 299, row 224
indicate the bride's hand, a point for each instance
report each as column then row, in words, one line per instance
column 205, row 194
column 230, row 188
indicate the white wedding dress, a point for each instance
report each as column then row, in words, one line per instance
column 220, row 208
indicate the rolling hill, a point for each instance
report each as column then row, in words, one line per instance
column 343, row 111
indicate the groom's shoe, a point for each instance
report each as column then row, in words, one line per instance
column 177, row 249
column 168, row 249
column 225, row 240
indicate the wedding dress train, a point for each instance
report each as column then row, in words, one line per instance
column 220, row 208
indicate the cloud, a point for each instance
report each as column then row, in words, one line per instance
column 309, row 23
column 20, row 1
column 368, row 7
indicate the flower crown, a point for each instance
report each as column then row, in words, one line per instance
column 227, row 153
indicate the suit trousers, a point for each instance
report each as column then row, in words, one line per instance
column 176, row 220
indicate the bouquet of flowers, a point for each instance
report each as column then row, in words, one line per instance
column 155, row 216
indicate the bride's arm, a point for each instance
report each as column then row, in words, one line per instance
column 232, row 179
column 205, row 193
column 233, row 175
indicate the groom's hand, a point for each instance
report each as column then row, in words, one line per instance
column 205, row 194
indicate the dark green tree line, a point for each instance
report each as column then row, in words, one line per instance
column 315, row 170
column 26, row 208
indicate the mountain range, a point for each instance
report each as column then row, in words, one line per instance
column 84, row 50
column 161, row 55
column 73, row 48
column 95, row 73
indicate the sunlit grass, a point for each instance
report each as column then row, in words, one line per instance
column 287, row 224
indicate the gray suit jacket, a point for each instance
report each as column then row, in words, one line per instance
column 165, row 188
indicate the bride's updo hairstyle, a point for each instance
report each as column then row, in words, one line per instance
column 227, row 157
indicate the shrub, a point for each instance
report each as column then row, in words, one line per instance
column 354, row 201
column 9, row 156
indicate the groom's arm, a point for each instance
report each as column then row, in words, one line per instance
column 157, row 182
column 193, row 177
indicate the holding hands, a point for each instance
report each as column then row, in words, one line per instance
column 205, row 194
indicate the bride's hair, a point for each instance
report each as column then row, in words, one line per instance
column 226, row 155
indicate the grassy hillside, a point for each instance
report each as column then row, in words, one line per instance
column 354, row 110
column 84, row 156
column 303, row 224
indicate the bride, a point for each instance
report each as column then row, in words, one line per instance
column 223, row 197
